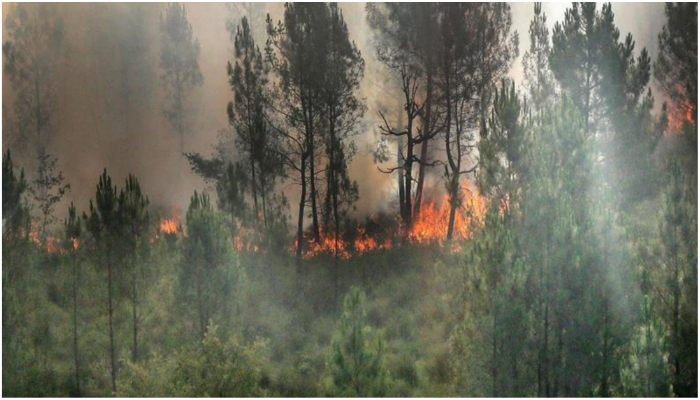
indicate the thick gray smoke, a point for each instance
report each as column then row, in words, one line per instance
column 109, row 112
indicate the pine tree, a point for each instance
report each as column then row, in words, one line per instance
column 71, row 235
column 296, row 53
column 610, row 88
column 357, row 354
column 49, row 188
column 676, row 279
column 465, row 75
column 31, row 49
column 179, row 60
column 15, row 213
column 406, row 43
column 539, row 81
column 105, row 226
column 134, row 214
column 207, row 275
column 343, row 111
column 248, row 115
column 676, row 69
column 230, row 190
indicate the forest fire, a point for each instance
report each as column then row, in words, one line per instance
column 432, row 222
column 170, row 226
column 365, row 244
column 430, row 227
column 247, row 243
column 678, row 114
column 328, row 244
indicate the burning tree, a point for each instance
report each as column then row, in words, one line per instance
column 406, row 45
column 466, row 73
column 248, row 115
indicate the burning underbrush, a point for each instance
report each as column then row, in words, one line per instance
column 383, row 231
column 378, row 232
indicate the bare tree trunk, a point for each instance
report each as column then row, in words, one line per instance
column 300, row 223
column 424, row 146
column 675, row 331
column 494, row 354
column 134, row 350
column 408, row 209
column 76, row 358
column 399, row 175
column 263, row 196
column 112, row 355
column 421, row 179
column 451, row 222
column 312, row 183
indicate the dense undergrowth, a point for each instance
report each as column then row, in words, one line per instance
column 277, row 341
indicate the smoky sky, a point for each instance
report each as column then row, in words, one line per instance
column 109, row 118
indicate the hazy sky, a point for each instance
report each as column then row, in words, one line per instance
column 91, row 132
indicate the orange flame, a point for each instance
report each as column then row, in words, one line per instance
column 429, row 227
column 170, row 226
column 364, row 244
column 433, row 220
column 246, row 242
column 328, row 244
column 679, row 113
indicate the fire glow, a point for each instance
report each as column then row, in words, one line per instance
column 430, row 227
column 170, row 226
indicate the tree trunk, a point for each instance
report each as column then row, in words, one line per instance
column 300, row 223
column 134, row 316
column 408, row 210
column 263, row 196
column 400, row 164
column 424, row 146
column 312, row 185
column 494, row 355
column 76, row 358
column 451, row 223
column 254, row 184
column 112, row 355
column 675, row 327
column 421, row 179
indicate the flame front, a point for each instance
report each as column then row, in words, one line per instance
column 433, row 221
column 328, row 244
column 678, row 113
column 169, row 226
column 429, row 227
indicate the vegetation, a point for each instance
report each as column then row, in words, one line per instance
column 562, row 262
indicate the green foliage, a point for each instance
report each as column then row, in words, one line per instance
column 581, row 281
column 48, row 189
column 230, row 190
column 539, row 81
column 15, row 212
column 676, row 278
column 214, row 368
column 208, row 272
column 676, row 69
column 357, row 354
column 501, row 146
